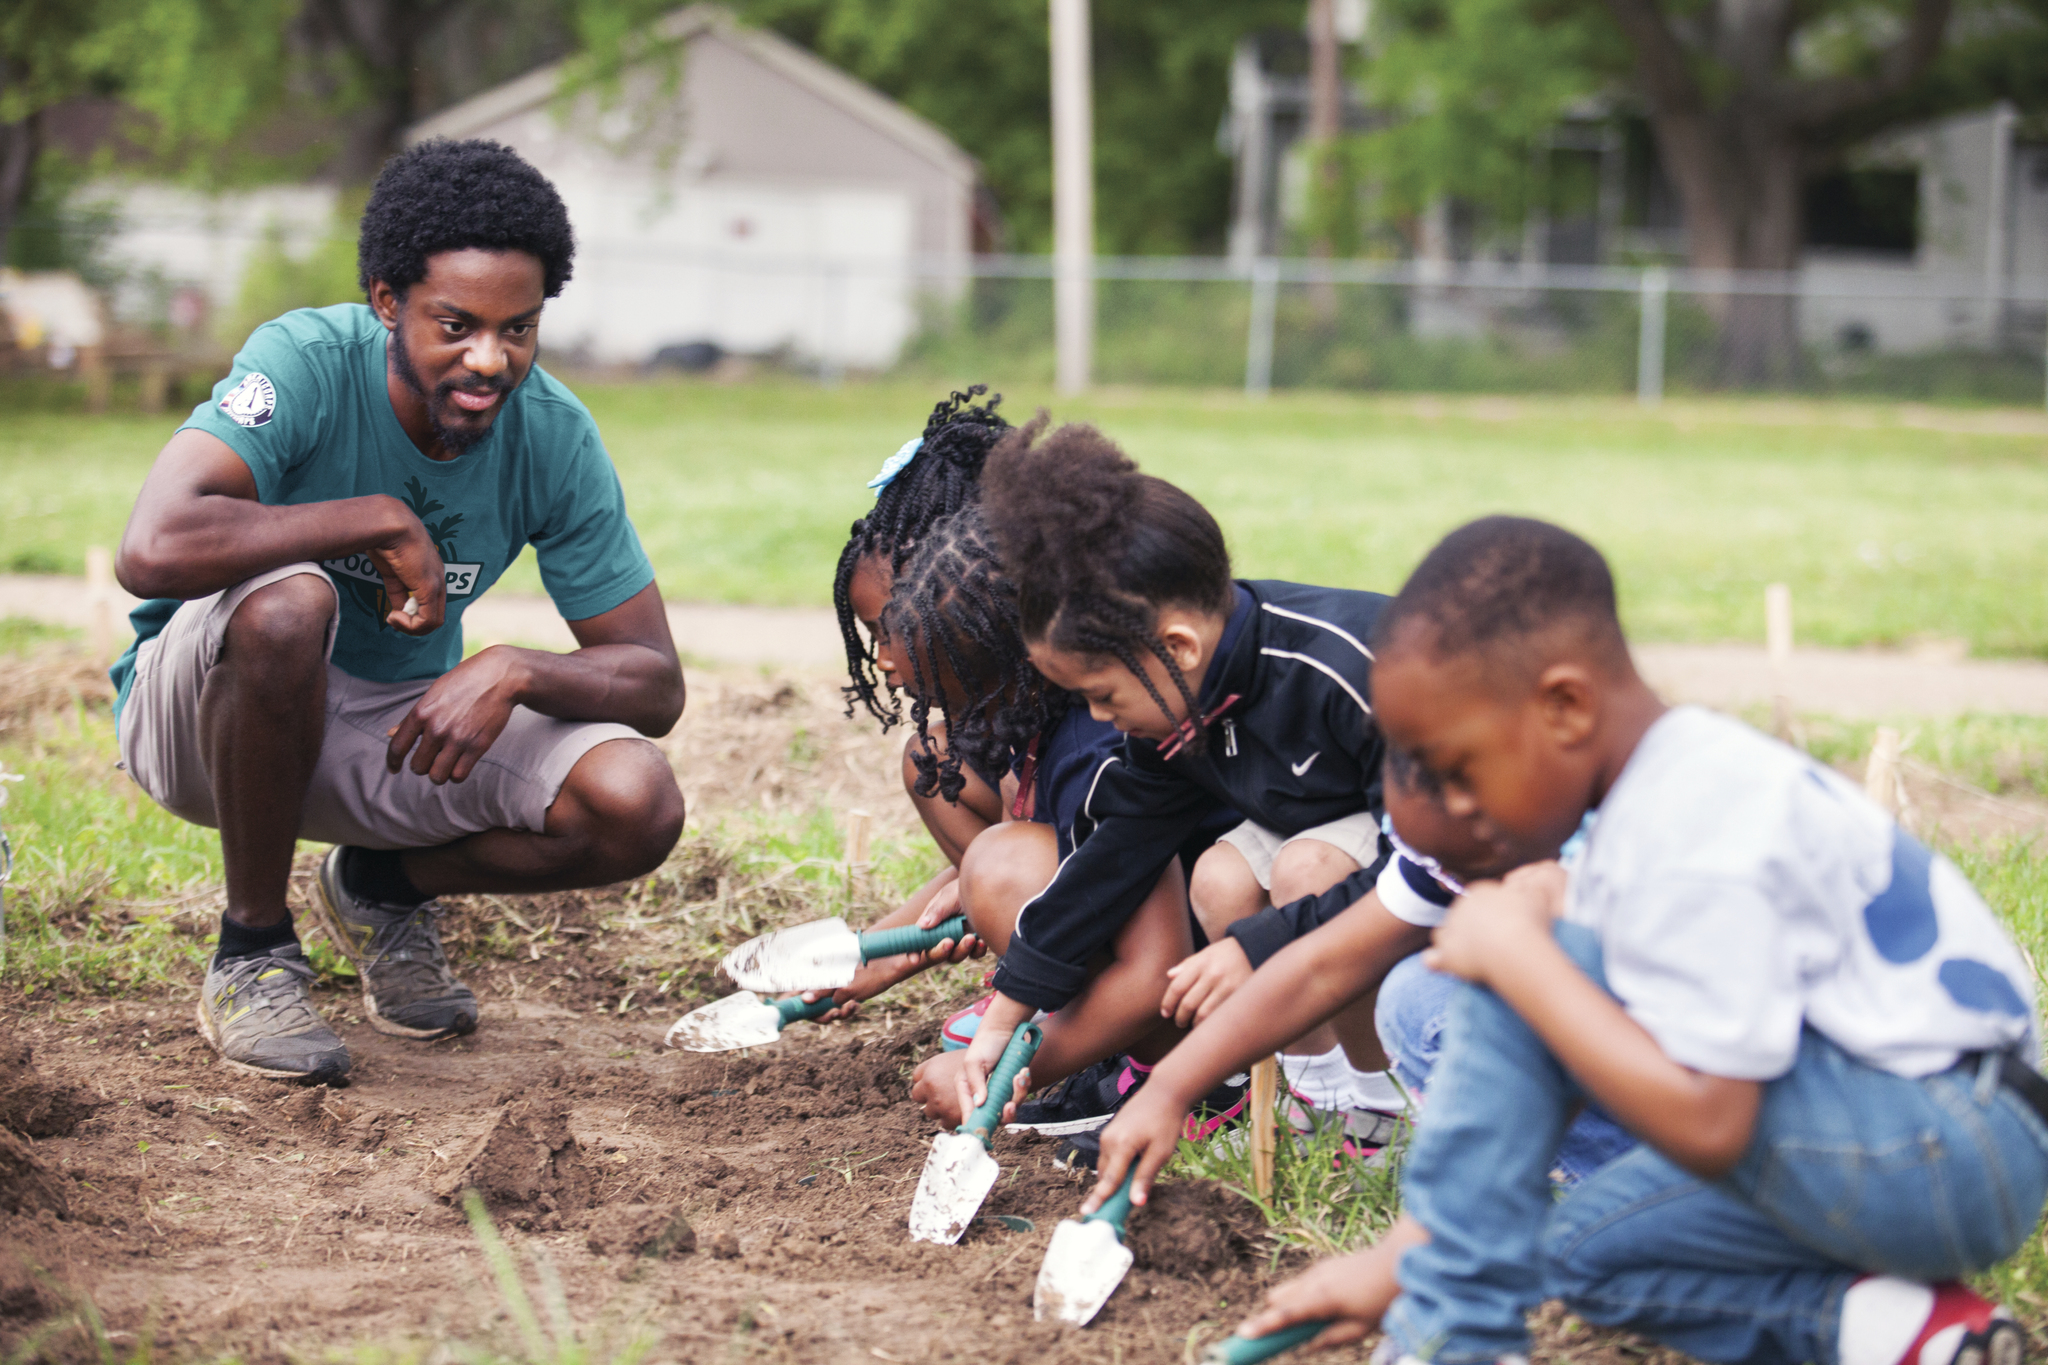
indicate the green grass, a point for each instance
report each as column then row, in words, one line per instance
column 1321, row 1200
column 743, row 493
column 1998, row 754
column 19, row 634
column 106, row 882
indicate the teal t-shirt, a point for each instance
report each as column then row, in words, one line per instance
column 307, row 409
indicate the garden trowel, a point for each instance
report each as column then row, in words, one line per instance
column 959, row 1173
column 1237, row 1350
column 1085, row 1262
column 743, row 1020
column 824, row 954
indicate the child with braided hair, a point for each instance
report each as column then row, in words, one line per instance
column 1230, row 693
column 954, row 623
column 932, row 476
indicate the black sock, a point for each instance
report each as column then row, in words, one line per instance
column 239, row 940
column 374, row 874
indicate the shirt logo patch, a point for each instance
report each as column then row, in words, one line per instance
column 1302, row 767
column 251, row 402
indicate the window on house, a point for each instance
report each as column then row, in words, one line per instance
column 1868, row 210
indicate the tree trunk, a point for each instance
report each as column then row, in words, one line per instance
column 20, row 144
column 380, row 40
column 1738, row 180
column 1753, row 225
column 1737, row 146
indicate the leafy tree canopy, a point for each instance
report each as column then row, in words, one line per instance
column 980, row 70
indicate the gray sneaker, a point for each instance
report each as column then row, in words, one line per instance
column 259, row 1015
column 407, row 987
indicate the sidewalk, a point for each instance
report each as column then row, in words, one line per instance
column 706, row 632
column 1852, row 684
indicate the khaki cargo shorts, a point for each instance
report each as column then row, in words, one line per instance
column 353, row 800
column 1356, row 836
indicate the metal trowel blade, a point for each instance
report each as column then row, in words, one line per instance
column 820, row 956
column 958, row 1174
column 1084, row 1263
column 742, row 1020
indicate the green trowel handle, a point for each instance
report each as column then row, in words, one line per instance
column 1235, row 1350
column 1117, row 1207
column 1023, row 1043
column 794, row 1008
column 910, row 939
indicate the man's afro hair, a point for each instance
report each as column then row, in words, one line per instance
column 447, row 196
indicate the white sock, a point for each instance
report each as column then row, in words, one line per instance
column 1377, row 1090
column 1880, row 1317
column 1324, row 1080
column 1329, row 1081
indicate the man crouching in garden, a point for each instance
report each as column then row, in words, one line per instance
column 311, row 537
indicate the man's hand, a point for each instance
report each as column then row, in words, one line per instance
column 1198, row 985
column 412, row 571
column 1492, row 926
column 459, row 718
column 1145, row 1131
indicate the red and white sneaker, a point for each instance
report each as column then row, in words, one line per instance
column 1956, row 1325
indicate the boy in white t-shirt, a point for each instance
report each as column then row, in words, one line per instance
column 1821, row 1035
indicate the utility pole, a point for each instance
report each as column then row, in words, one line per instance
column 1325, row 122
column 1073, row 198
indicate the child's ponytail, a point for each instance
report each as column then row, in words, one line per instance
column 1097, row 548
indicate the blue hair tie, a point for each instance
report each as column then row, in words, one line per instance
column 893, row 466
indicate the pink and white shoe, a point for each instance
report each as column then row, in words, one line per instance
column 1367, row 1132
column 958, row 1030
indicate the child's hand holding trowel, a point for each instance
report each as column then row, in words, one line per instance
column 925, row 911
column 1141, row 1139
column 1346, row 1296
column 1004, row 1017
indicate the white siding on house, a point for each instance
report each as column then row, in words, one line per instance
column 770, row 204
column 169, row 235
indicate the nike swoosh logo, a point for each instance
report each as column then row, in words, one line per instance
column 1302, row 767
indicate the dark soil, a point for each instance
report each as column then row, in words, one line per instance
column 748, row 1204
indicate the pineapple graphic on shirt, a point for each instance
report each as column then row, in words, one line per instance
column 368, row 584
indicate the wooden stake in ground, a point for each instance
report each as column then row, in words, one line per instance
column 859, row 826
column 1778, row 644
column 99, row 600
column 1881, row 774
column 1265, row 1093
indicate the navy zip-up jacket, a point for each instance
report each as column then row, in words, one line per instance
column 1296, row 749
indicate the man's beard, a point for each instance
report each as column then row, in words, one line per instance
column 455, row 439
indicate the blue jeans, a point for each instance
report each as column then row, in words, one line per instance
column 1414, row 1004
column 1850, row 1170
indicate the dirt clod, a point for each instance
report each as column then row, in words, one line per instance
column 655, row 1230
column 26, row 1184
column 525, row 1157
column 29, row 1104
column 1195, row 1227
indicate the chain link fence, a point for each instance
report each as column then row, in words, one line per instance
column 1409, row 326
column 1846, row 325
